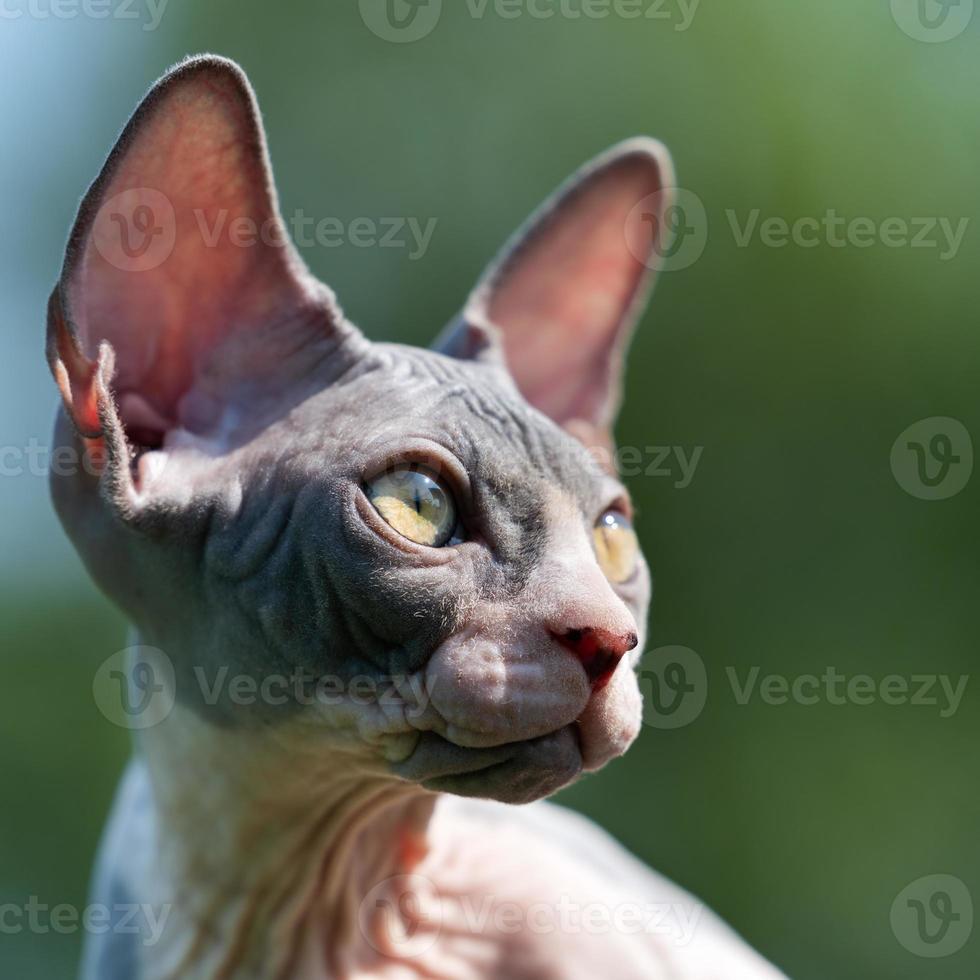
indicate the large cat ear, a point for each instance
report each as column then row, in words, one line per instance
column 181, row 301
column 560, row 301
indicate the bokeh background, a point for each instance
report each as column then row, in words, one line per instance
column 793, row 548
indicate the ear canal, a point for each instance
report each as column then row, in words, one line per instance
column 180, row 263
column 561, row 299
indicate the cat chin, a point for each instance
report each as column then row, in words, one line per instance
column 518, row 772
column 528, row 769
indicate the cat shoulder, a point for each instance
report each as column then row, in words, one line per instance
column 692, row 943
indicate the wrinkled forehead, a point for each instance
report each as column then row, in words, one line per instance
column 408, row 397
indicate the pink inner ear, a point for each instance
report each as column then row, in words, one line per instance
column 561, row 298
column 179, row 245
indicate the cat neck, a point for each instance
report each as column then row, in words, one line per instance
column 275, row 852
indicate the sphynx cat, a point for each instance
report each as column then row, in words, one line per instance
column 419, row 564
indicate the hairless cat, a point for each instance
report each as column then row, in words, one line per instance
column 430, row 545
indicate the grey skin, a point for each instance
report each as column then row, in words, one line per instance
column 231, row 419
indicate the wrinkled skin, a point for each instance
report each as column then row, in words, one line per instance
column 234, row 420
column 296, row 551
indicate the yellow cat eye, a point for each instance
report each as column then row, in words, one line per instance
column 415, row 503
column 616, row 546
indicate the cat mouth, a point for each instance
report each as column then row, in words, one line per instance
column 517, row 772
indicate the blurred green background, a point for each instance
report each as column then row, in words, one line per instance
column 792, row 549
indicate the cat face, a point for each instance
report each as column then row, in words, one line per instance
column 426, row 549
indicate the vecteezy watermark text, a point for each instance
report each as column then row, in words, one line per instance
column 680, row 13
column 40, row 460
column 136, row 688
column 833, row 687
column 404, row 21
column 413, row 234
column 306, row 687
column 674, row 684
column 136, row 230
column 124, row 918
column 149, row 11
column 678, row 220
column 834, row 230
column 677, row 463
column 405, row 914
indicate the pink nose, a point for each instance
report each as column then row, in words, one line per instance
column 599, row 651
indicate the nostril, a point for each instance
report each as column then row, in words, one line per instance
column 599, row 651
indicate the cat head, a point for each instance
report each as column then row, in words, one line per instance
column 429, row 550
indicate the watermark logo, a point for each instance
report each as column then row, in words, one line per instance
column 933, row 917
column 401, row 916
column 678, row 223
column 933, row 21
column 401, row 21
column 134, row 688
column 136, row 230
column 674, row 684
column 933, row 458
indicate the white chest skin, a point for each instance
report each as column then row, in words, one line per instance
column 505, row 893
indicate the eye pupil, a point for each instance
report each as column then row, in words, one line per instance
column 415, row 503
